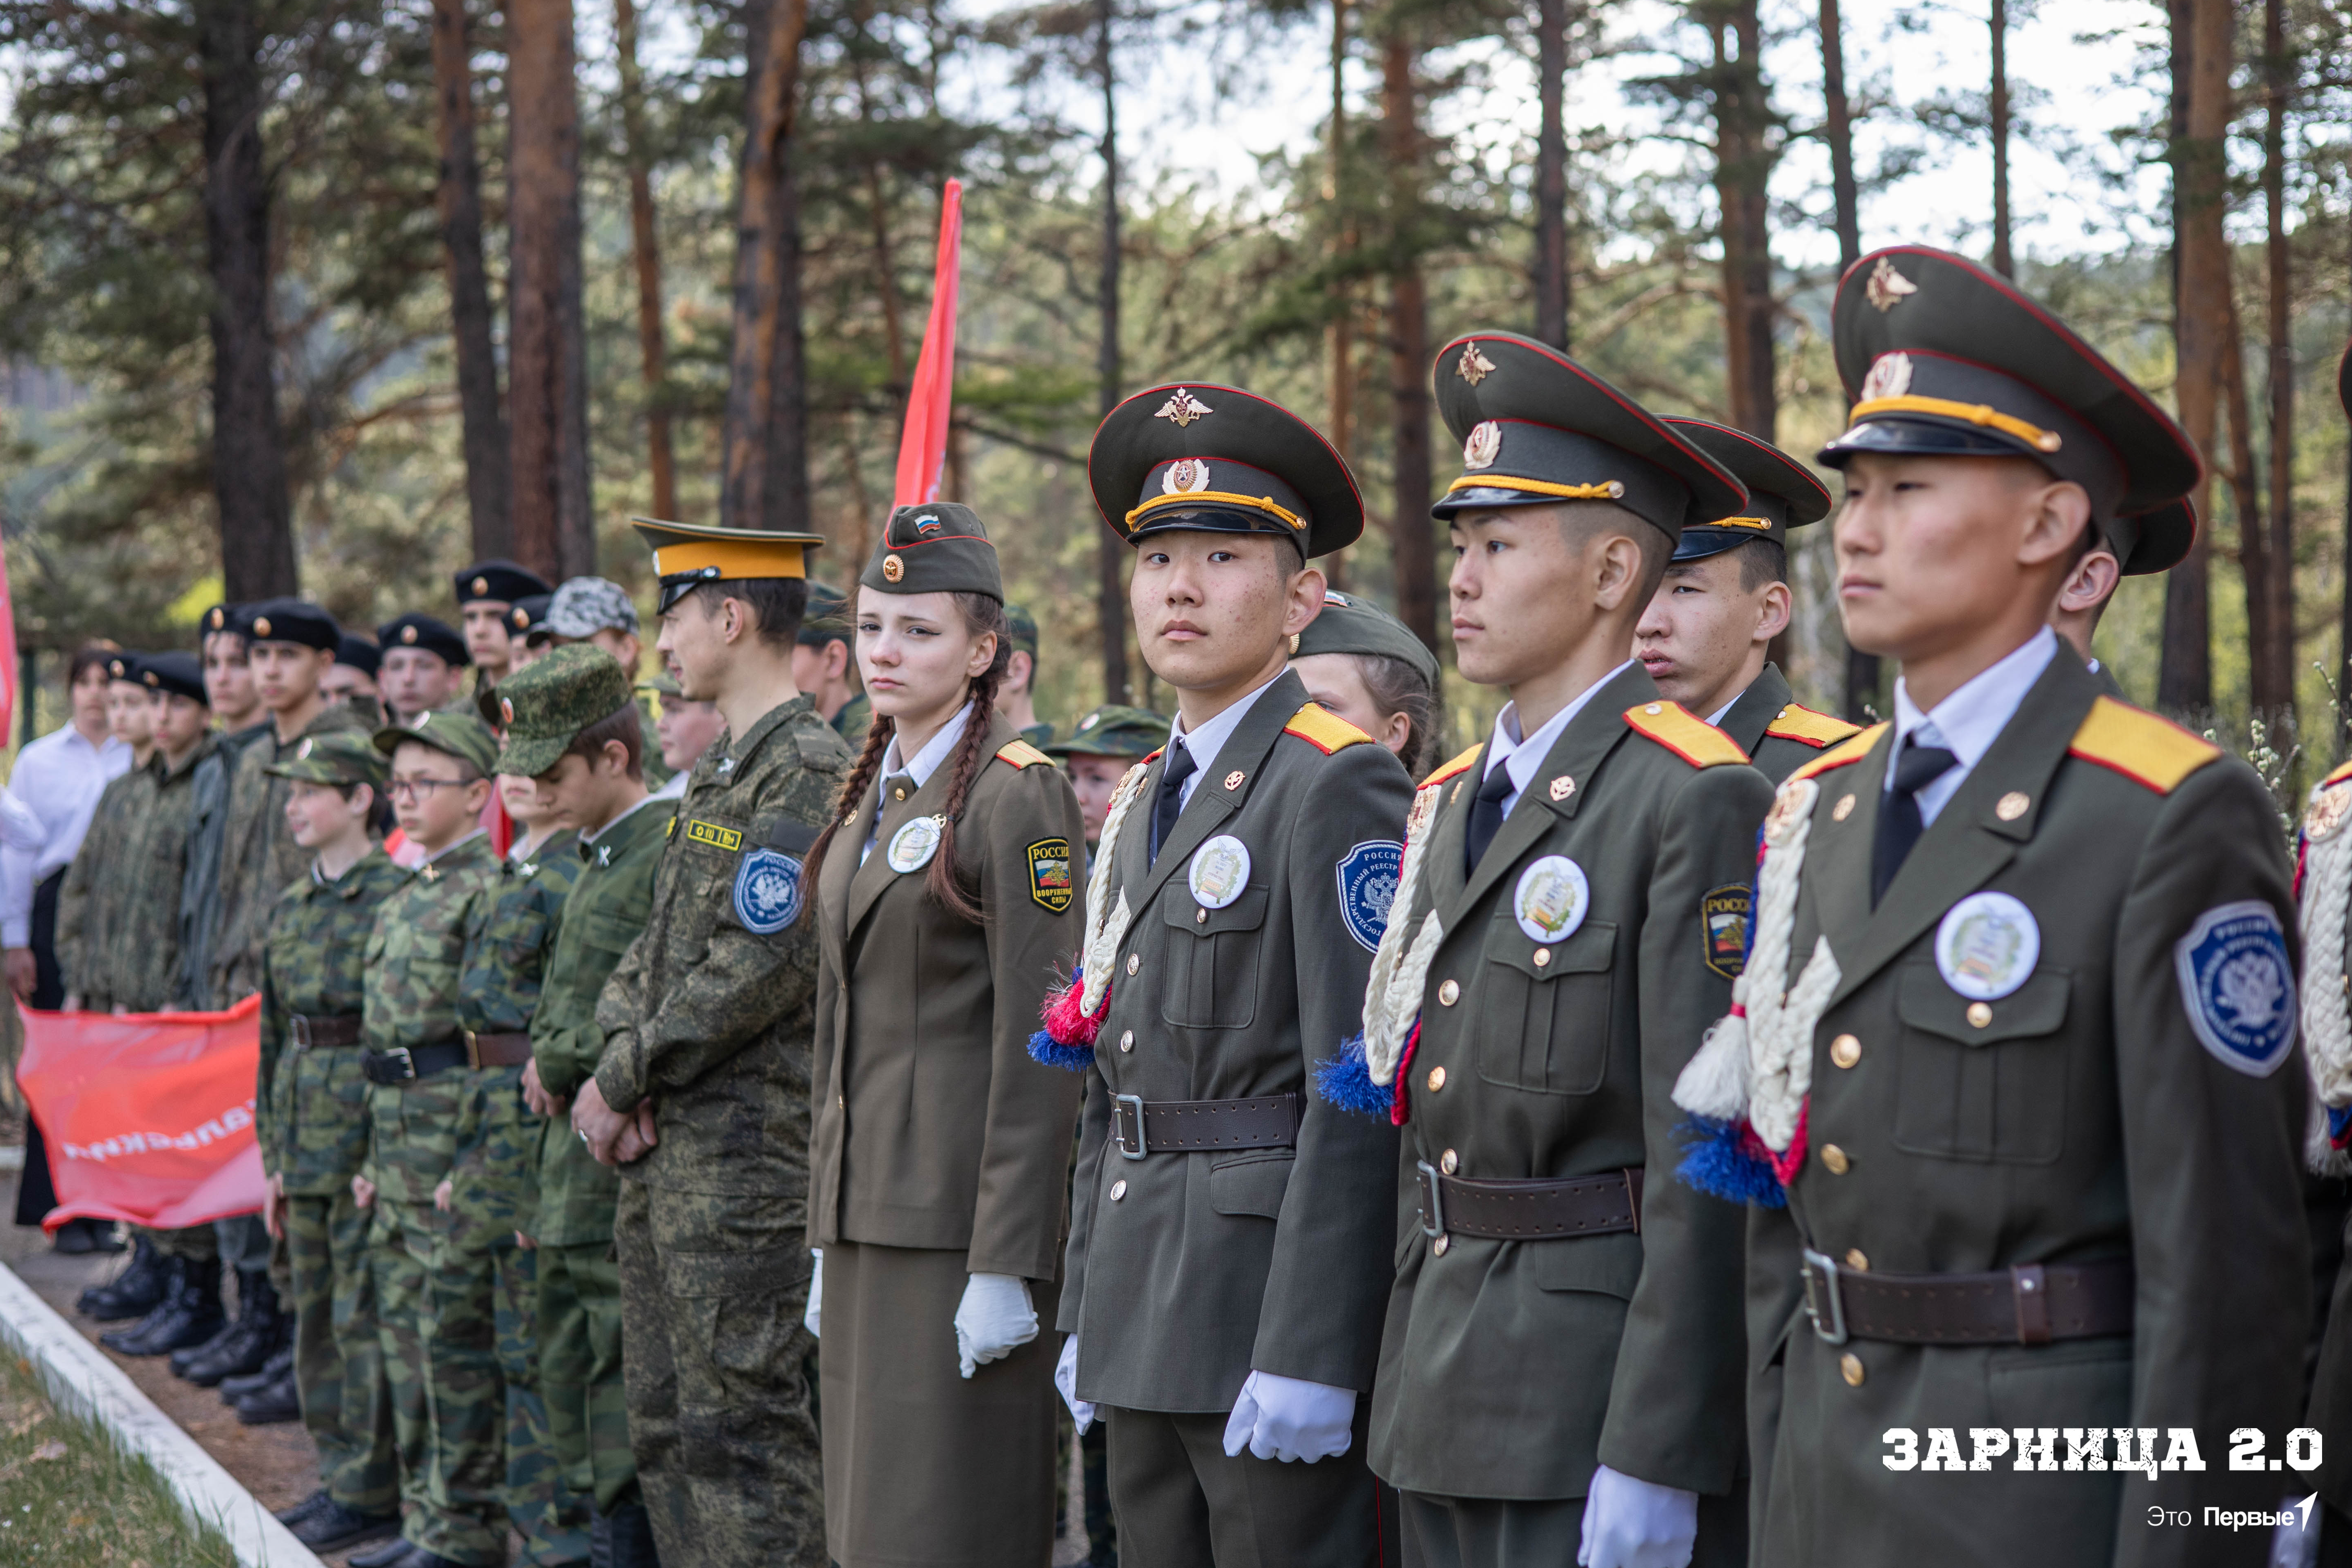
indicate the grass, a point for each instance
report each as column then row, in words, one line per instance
column 71, row 1499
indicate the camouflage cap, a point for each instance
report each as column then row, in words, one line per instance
column 1114, row 729
column 547, row 703
column 1352, row 624
column 1021, row 629
column 339, row 757
column 587, row 606
column 663, row 685
column 826, row 619
column 460, row 735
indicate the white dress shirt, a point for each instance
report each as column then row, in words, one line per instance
column 1966, row 722
column 676, row 788
column 1522, row 756
column 1207, row 742
column 59, row 779
column 917, row 773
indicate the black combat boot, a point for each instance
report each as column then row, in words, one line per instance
column 281, row 1364
column 623, row 1539
column 250, row 1339
column 331, row 1527
column 189, row 1314
column 275, row 1401
column 392, row 1554
column 134, row 1293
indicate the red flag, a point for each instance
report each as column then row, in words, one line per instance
column 923, row 449
column 7, row 653
column 147, row 1117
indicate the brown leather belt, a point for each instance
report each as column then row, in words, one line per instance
column 2029, row 1304
column 497, row 1050
column 1521, row 1210
column 403, row 1064
column 317, row 1031
column 1138, row 1127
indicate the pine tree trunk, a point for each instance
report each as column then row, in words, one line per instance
column 2200, row 323
column 2278, row 652
column 764, row 483
column 482, row 423
column 1997, row 102
column 1861, row 668
column 1743, row 167
column 2269, row 681
column 257, row 528
column 1110, row 550
column 547, row 371
column 1413, row 538
column 1340, row 372
column 653, row 352
column 1551, row 174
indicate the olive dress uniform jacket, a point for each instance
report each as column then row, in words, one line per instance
column 1510, row 1369
column 1778, row 733
column 934, row 1127
column 2078, row 1118
column 1187, row 1270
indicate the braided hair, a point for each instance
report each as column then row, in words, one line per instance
column 981, row 614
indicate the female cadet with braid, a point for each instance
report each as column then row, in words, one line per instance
column 939, row 1159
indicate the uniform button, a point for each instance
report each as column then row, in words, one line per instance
column 1118, row 1190
column 1200, row 917
column 1834, row 1159
column 1126, row 1040
column 1134, row 962
column 1845, row 1051
column 1449, row 1162
column 1857, row 1260
column 1449, row 993
column 1850, row 1368
column 1980, row 1015
column 1655, row 709
column 842, row 1101
column 1437, row 1248
column 1543, row 957
column 1436, row 1079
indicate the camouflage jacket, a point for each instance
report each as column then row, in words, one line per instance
column 607, row 910
column 258, row 857
column 314, row 1100
column 429, row 947
column 98, row 887
column 712, row 1010
column 495, row 1166
column 155, row 855
column 200, row 882
column 657, row 772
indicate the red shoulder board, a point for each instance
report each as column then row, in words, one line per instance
column 1021, row 754
column 1684, row 733
column 1323, row 730
column 1809, row 728
column 1458, row 765
column 2144, row 748
column 1852, row 751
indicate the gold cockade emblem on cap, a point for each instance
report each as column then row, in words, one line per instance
column 408, row 634
column 1183, row 408
column 1472, row 366
column 1185, row 477
column 261, row 626
column 1890, row 376
column 506, row 707
column 219, row 618
column 1484, row 445
column 481, row 584
column 522, row 618
column 1887, row 288
column 893, row 568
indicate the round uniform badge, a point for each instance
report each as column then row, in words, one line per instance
column 1551, row 899
column 767, row 892
column 1219, row 871
column 912, row 847
column 1987, row 946
column 2238, row 987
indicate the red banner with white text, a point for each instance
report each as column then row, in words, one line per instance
column 147, row 1117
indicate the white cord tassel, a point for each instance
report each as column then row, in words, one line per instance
column 1401, row 963
column 1106, row 924
column 2326, row 1009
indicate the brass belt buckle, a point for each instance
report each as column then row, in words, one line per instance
column 298, row 1029
column 1126, row 1112
column 1433, row 1203
column 1824, row 1302
column 473, row 1050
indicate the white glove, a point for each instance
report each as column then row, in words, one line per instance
column 993, row 1320
column 1631, row 1523
column 1287, row 1418
column 1065, row 1378
column 810, row 1319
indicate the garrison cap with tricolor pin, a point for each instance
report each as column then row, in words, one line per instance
column 1538, row 427
column 942, row 548
column 1782, row 493
column 418, row 630
column 1349, row 623
column 295, row 621
column 174, row 674
column 499, row 581
column 1203, row 456
column 688, row 555
column 1945, row 358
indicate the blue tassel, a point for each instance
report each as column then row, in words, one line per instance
column 1346, row 1081
column 1719, row 1164
column 2339, row 1125
column 1046, row 1053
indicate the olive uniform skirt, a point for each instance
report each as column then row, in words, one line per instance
column 921, row 1465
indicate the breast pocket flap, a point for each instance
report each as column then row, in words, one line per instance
column 2038, row 1007
column 1590, row 950
column 1246, row 912
column 1605, row 1265
column 1250, row 1183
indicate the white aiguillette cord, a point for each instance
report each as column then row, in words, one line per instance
column 1107, row 926
column 2327, row 1011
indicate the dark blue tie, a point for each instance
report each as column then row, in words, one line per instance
column 1169, row 802
column 1486, row 812
column 1900, row 825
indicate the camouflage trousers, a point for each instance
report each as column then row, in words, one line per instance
column 196, row 1243
column 721, row 1376
column 457, row 1332
column 580, row 1373
column 338, row 1352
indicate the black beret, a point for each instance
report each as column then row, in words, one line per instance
column 416, row 630
column 225, row 617
column 528, row 614
column 175, row 674
column 1782, row 493
column 943, row 548
column 123, row 664
column 359, row 654
column 295, row 621
column 502, row 581
column 1201, row 457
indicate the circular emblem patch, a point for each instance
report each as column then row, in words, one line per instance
column 506, row 707
column 481, row 584
column 408, row 634
column 1184, row 476
column 912, row 847
column 1219, row 871
column 767, row 892
column 1791, row 805
column 1484, row 445
column 1551, row 899
column 2237, row 986
column 1367, row 889
column 261, row 626
column 1987, row 946
column 893, row 568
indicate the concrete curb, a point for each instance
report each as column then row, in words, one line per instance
column 82, row 1379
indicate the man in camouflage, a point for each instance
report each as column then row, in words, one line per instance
column 103, row 883
column 702, row 1092
column 598, row 610
column 229, row 686
column 312, row 1127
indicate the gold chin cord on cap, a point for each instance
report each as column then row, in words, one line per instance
column 1608, row 489
column 1984, row 413
column 1265, row 504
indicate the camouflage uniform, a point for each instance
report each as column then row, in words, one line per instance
column 857, row 717
column 200, row 884
column 99, row 886
column 313, row 1130
column 259, row 857
column 712, row 1019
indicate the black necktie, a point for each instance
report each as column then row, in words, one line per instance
column 1169, row 802
column 1486, row 812
column 1900, row 825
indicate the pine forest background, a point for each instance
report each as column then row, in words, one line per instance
column 331, row 298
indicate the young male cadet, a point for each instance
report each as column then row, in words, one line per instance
column 824, row 665
column 1018, row 700
column 1230, row 1239
column 1726, row 597
column 702, row 1092
column 2019, row 992
column 353, row 673
column 1106, row 743
column 487, row 592
column 417, row 671
column 2124, row 547
column 1560, row 1375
